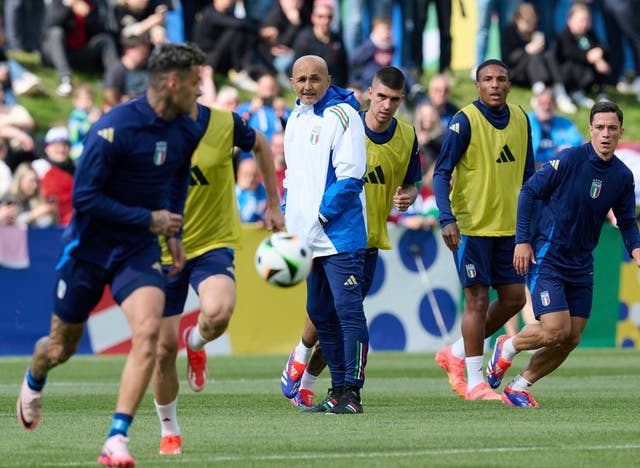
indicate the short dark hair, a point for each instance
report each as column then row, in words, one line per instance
column 172, row 57
column 391, row 77
column 489, row 62
column 605, row 106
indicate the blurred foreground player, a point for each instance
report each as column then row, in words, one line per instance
column 130, row 186
column 211, row 234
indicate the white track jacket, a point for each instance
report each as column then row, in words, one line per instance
column 326, row 162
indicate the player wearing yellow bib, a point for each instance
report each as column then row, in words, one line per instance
column 485, row 158
column 393, row 168
column 211, row 233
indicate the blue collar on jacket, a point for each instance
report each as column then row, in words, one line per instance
column 334, row 95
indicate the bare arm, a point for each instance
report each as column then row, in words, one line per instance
column 405, row 196
column 523, row 256
column 177, row 254
column 636, row 256
column 451, row 236
column 18, row 117
column 273, row 217
column 141, row 28
column 10, row 132
column 165, row 223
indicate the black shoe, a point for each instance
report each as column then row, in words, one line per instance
column 333, row 395
column 349, row 402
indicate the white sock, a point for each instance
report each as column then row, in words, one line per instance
column 457, row 348
column 168, row 417
column 508, row 351
column 559, row 89
column 537, row 88
column 520, row 384
column 307, row 381
column 196, row 341
column 475, row 375
column 302, row 353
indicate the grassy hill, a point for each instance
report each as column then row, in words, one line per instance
column 48, row 109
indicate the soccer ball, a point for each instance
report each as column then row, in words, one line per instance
column 283, row 259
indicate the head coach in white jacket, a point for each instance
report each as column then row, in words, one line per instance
column 325, row 205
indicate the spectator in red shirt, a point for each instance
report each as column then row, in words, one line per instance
column 56, row 172
column 78, row 33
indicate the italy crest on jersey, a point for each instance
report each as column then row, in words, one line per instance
column 544, row 298
column 160, row 156
column 315, row 135
column 596, row 186
column 471, row 270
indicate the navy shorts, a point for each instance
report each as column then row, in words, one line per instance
column 80, row 284
column 550, row 293
column 196, row 270
column 486, row 260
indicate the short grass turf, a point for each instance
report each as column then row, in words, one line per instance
column 588, row 417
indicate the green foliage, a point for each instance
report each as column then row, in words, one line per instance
column 587, row 418
column 45, row 106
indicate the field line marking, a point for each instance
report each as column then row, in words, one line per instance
column 402, row 454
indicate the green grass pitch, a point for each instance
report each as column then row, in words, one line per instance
column 589, row 417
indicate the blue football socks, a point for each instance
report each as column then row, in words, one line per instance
column 35, row 384
column 120, row 424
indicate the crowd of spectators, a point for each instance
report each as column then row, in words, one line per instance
column 552, row 48
column 532, row 63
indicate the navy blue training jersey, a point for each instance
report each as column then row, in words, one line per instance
column 133, row 162
column 577, row 190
